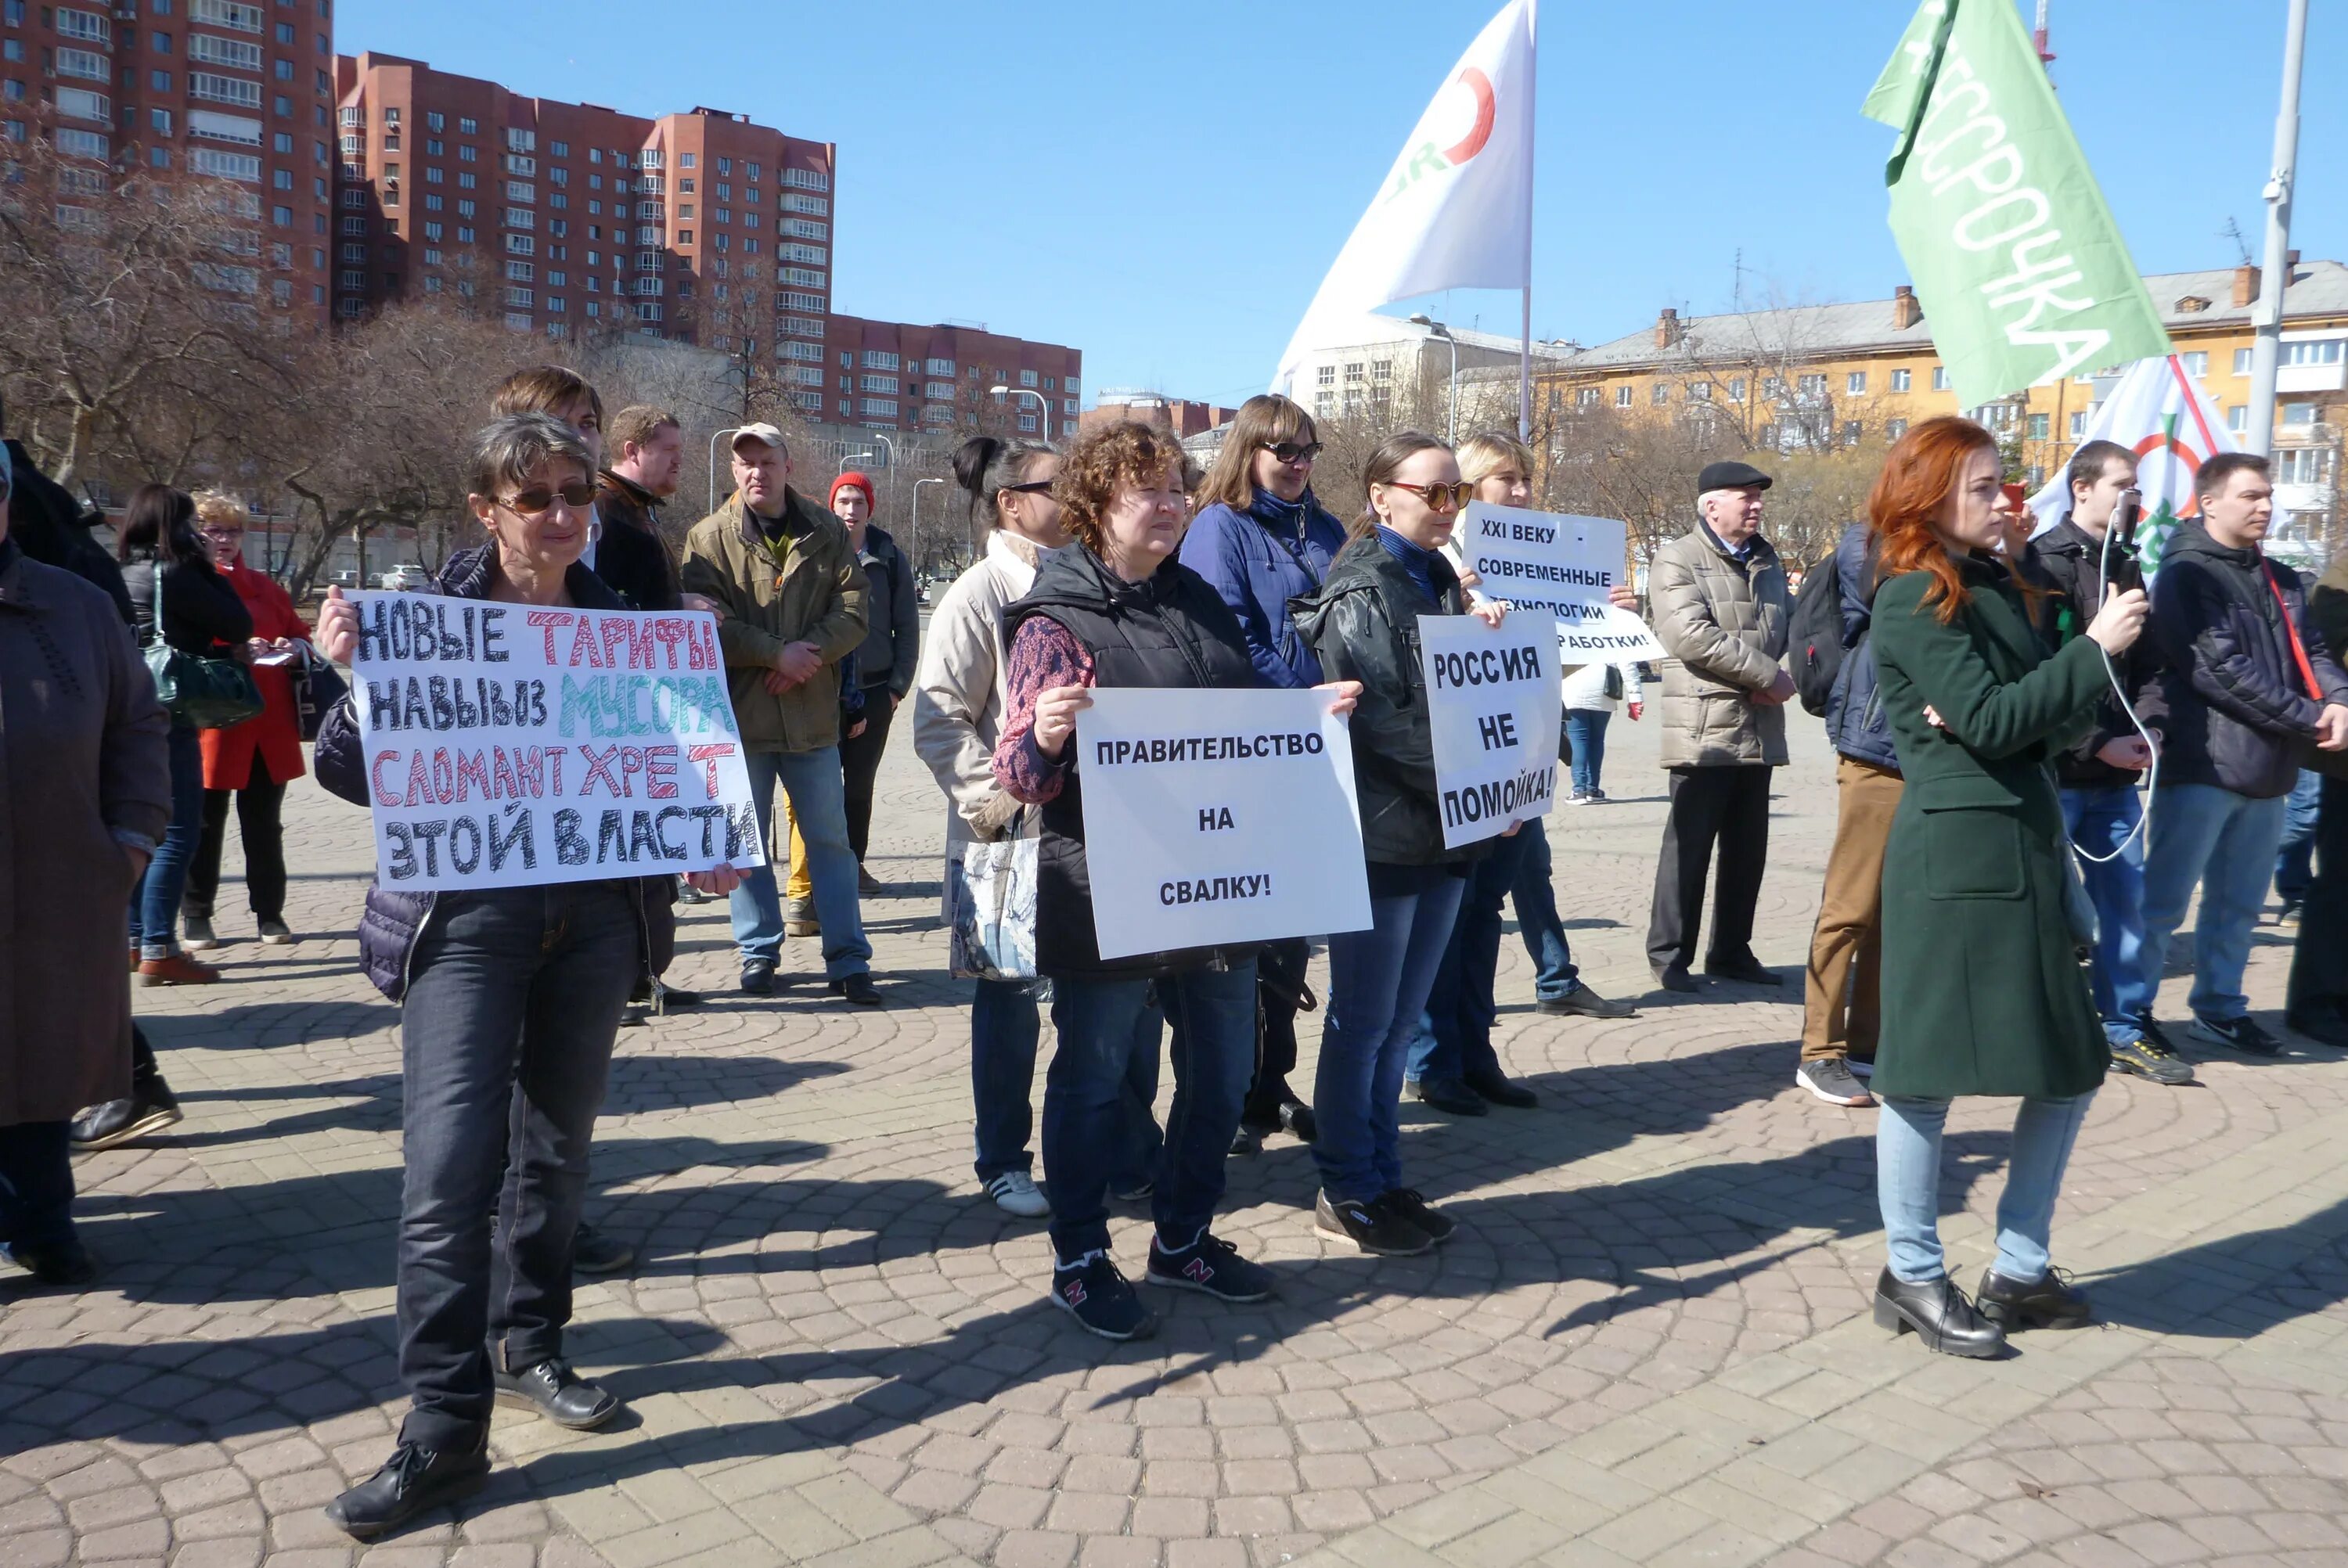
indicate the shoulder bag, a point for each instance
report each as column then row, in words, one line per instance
column 208, row 693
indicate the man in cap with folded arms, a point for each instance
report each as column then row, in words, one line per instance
column 1720, row 611
column 791, row 606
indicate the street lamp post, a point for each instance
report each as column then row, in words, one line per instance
column 1041, row 403
column 1451, row 398
column 2266, row 314
column 714, row 437
column 916, row 524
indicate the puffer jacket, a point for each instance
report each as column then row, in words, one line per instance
column 1855, row 721
column 393, row 918
column 2239, row 714
column 1363, row 626
column 1724, row 623
column 2067, row 563
column 1258, row 561
column 818, row 598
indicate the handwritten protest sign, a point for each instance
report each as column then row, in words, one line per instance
column 1493, row 703
column 1563, row 565
column 508, row 746
column 1215, row 818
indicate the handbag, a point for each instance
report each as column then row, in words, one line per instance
column 206, row 693
column 1614, row 687
column 990, row 906
column 2078, row 908
column 316, row 688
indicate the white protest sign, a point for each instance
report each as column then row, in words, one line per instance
column 1563, row 565
column 1492, row 705
column 1217, row 816
column 508, row 746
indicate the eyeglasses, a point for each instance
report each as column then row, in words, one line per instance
column 1439, row 499
column 539, row 498
column 224, row 536
column 1292, row 452
column 1032, row 487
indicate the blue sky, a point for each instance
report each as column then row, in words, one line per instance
column 1163, row 186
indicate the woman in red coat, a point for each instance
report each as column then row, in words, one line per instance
column 253, row 761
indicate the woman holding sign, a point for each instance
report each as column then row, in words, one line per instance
column 1117, row 609
column 511, row 1000
column 1363, row 626
column 1983, row 989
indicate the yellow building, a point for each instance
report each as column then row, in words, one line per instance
column 1810, row 377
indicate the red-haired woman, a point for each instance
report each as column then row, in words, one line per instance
column 1983, row 989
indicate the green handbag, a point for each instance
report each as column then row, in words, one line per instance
column 207, row 693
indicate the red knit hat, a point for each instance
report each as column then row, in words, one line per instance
column 851, row 480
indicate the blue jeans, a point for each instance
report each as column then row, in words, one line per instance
column 1585, row 728
column 1005, row 1025
column 1908, row 1184
column 1107, row 1052
column 2098, row 820
column 505, row 1043
column 2225, row 843
column 1378, row 981
column 819, row 805
column 2295, row 871
column 1461, row 1003
column 155, row 910
column 37, row 1184
column 1535, row 897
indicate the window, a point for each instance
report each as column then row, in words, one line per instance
column 467, row 153
column 2241, row 362
column 1810, row 385
column 2078, row 423
column 1699, row 392
column 1940, row 378
column 815, row 206
column 2325, row 351
column 877, row 383
column 1850, row 432
column 244, row 18
column 468, row 126
column 1895, row 428
column 2040, row 426
column 468, row 180
column 2296, row 412
column 83, row 65
column 225, row 165
column 2302, row 465
column 1855, row 383
column 79, row 25
column 80, row 103
column 2237, row 418
column 684, row 160
column 1589, row 397
column 1659, row 393
column 804, row 179
column 2197, row 364
column 233, row 53
column 879, row 359
column 245, row 132
column 1902, row 380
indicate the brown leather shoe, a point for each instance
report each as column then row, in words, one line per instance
column 178, row 969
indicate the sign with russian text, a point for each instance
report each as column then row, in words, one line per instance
column 1561, row 564
column 1215, row 818
column 1493, row 703
column 508, row 745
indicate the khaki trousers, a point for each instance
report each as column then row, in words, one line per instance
column 1841, row 999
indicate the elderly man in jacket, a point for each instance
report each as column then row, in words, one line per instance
column 2251, row 687
column 791, row 598
column 1719, row 598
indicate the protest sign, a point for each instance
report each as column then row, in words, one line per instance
column 1492, row 705
column 1214, row 817
column 508, row 746
column 1561, row 564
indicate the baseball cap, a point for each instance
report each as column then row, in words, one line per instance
column 766, row 433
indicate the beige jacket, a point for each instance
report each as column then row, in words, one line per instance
column 1724, row 623
column 958, row 690
column 818, row 598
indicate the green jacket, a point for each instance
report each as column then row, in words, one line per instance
column 817, row 597
column 1983, row 992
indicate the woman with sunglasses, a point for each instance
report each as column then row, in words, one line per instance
column 1261, row 539
column 1363, row 626
column 511, row 1000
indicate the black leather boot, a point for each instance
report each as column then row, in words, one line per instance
column 413, row 1480
column 2051, row 1303
column 561, row 1395
column 1939, row 1313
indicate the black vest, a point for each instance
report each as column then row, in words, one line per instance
column 1173, row 630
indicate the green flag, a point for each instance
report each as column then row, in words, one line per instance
column 2021, row 270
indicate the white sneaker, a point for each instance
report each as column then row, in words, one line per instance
column 1015, row 1192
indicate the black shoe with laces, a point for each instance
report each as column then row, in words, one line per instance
column 1501, row 1090
column 758, row 976
column 1101, row 1300
column 2051, row 1303
column 1410, row 1205
column 1209, row 1265
column 1583, row 1002
column 1937, row 1313
column 53, row 1263
column 150, row 1110
column 1747, row 969
column 1448, row 1095
column 561, row 1395
column 857, row 989
column 1371, row 1226
column 414, row 1479
column 592, row 1252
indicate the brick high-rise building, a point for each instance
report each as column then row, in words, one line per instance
column 229, row 89
column 896, row 376
column 574, row 219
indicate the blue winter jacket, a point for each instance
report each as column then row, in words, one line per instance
column 1855, row 722
column 1258, row 560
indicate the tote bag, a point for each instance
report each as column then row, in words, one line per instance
column 990, row 906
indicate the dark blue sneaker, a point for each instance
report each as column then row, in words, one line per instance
column 1212, row 1265
column 1098, row 1296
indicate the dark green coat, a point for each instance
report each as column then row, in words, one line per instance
column 1982, row 990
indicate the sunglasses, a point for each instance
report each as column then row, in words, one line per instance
column 539, row 498
column 1293, row 452
column 1032, row 487
column 224, row 536
column 1439, row 499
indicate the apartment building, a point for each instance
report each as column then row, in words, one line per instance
column 572, row 219
column 1184, row 417
column 897, row 375
column 240, row 91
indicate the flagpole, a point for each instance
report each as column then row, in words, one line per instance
column 2266, row 315
column 1525, row 342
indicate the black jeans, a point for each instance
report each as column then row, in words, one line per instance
column 37, row 1184
column 860, row 763
column 1729, row 806
column 257, row 806
column 514, row 998
column 1279, row 986
column 2319, row 964
column 1462, row 1004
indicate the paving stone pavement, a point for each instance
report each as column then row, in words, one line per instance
column 1649, row 1344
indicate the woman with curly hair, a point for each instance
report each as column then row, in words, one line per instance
column 1983, row 992
column 1115, row 609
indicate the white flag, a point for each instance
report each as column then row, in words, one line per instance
column 1455, row 212
column 2163, row 415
